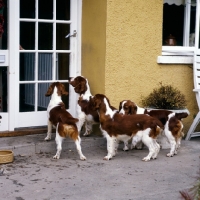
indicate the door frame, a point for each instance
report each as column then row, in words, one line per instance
column 13, row 68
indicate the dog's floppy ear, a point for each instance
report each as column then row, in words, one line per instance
column 81, row 87
column 62, row 90
column 95, row 102
column 50, row 90
column 120, row 105
column 133, row 109
column 181, row 115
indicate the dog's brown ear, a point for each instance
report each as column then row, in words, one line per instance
column 181, row 115
column 120, row 105
column 97, row 103
column 133, row 110
column 50, row 90
column 62, row 90
column 81, row 87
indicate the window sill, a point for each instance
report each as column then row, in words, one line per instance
column 176, row 55
column 175, row 59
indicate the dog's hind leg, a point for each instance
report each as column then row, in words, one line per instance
column 157, row 149
column 59, row 141
column 78, row 147
column 172, row 142
column 148, row 141
column 49, row 131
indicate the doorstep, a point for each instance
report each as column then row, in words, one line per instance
column 35, row 143
column 23, row 131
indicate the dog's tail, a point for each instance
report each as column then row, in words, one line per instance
column 158, row 123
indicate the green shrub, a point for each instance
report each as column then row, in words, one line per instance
column 165, row 97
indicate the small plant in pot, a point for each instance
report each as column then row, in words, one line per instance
column 165, row 97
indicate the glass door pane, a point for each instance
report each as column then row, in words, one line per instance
column 3, row 89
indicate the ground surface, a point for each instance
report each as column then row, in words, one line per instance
column 125, row 177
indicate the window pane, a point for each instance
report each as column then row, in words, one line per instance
column 173, row 22
column 27, row 9
column 45, row 9
column 3, row 26
column 62, row 30
column 62, row 66
column 26, row 97
column 27, row 67
column 3, row 89
column 45, row 66
column 43, row 101
column 45, row 36
column 63, row 9
column 27, row 35
column 192, row 26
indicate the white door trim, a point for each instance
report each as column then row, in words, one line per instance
column 13, row 68
column 13, row 71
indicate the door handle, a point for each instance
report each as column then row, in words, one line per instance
column 73, row 35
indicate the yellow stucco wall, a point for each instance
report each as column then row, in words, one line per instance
column 94, row 43
column 133, row 41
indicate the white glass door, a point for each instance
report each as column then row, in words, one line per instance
column 41, row 54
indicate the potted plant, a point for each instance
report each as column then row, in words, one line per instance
column 165, row 97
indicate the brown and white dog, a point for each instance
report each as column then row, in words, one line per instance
column 117, row 127
column 173, row 127
column 61, row 119
column 86, row 114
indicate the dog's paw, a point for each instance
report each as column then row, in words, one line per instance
column 47, row 138
column 170, row 155
column 83, row 158
column 125, row 148
column 146, row 158
column 56, row 157
column 107, row 158
column 87, row 133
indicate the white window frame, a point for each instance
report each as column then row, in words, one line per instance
column 181, row 54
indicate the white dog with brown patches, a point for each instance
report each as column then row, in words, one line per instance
column 173, row 126
column 86, row 114
column 61, row 119
column 117, row 127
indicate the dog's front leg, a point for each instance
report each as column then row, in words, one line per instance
column 178, row 145
column 49, row 131
column 88, row 128
column 126, row 146
column 81, row 118
column 110, row 147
